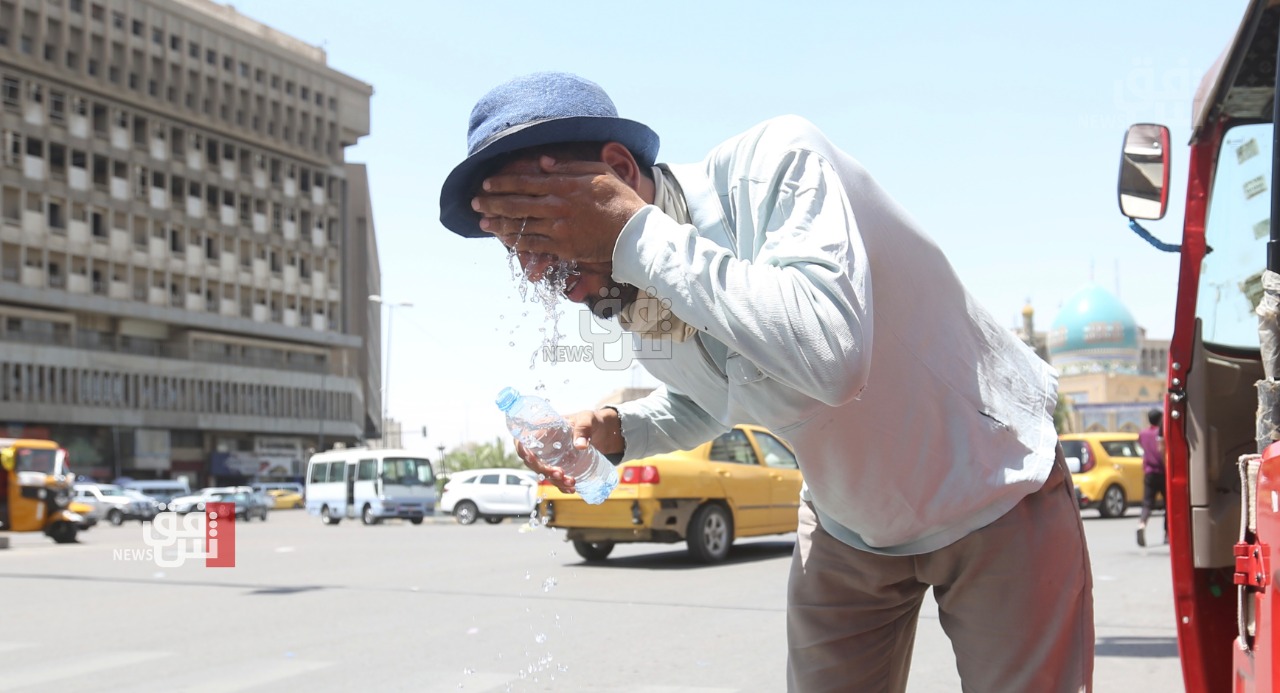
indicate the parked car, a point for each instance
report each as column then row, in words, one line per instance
column 284, row 499
column 1107, row 470
column 247, row 507
column 269, row 486
column 116, row 505
column 744, row 483
column 256, row 505
column 491, row 494
column 152, row 506
column 163, row 490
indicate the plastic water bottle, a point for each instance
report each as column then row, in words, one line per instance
column 547, row 434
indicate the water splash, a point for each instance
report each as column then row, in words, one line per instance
column 549, row 584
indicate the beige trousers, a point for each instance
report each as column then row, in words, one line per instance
column 1015, row 598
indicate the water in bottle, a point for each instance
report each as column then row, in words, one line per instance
column 538, row 426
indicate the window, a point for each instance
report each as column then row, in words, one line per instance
column 11, row 89
column 489, row 479
column 244, row 69
column 288, row 88
column 319, row 472
column 775, row 453
column 97, row 12
column 117, row 20
column 193, row 49
column 211, row 56
column 57, row 106
column 76, row 6
column 733, row 447
column 175, row 42
column 367, row 470
column 337, row 471
column 136, row 28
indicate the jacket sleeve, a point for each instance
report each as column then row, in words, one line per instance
column 663, row 421
column 796, row 297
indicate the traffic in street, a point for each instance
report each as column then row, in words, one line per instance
column 499, row 607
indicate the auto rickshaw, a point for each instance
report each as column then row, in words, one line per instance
column 35, row 489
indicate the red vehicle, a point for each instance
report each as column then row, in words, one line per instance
column 1222, row 407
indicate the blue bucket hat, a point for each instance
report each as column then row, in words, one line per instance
column 536, row 109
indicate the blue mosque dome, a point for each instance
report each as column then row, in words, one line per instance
column 1094, row 331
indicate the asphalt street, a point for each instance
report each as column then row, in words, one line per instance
column 443, row 607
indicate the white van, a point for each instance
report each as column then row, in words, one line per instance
column 370, row 484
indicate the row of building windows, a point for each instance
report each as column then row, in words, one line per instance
column 63, row 107
column 287, row 120
column 81, row 170
column 38, row 384
column 163, row 239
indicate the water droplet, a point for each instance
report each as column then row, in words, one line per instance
column 540, row 638
column 468, row 670
column 511, row 343
column 548, row 584
column 502, row 317
column 527, row 575
column 556, row 445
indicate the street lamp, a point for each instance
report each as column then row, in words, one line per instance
column 386, row 378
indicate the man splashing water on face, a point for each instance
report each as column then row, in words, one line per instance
column 803, row 299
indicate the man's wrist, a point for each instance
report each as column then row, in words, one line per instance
column 609, row 434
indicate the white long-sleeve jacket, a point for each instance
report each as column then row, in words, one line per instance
column 827, row 316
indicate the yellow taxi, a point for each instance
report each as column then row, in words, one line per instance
column 1106, row 469
column 745, row 483
column 285, row 499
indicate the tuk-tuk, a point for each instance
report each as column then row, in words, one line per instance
column 35, row 489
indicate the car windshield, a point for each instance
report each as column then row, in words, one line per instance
column 1237, row 229
column 41, row 461
column 111, row 491
column 407, row 471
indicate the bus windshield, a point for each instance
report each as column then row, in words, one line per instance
column 1237, row 229
column 406, row 471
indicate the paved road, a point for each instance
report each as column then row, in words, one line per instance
column 441, row 607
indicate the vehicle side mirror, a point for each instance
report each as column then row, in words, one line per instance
column 1144, row 172
column 1073, row 465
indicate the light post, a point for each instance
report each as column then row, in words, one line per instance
column 443, row 469
column 386, row 378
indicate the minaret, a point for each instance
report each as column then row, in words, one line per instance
column 1029, row 332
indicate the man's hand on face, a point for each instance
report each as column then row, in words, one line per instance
column 573, row 210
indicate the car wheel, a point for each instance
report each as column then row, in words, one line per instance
column 115, row 517
column 710, row 534
column 494, row 520
column 367, row 516
column 328, row 517
column 593, row 550
column 1113, row 503
column 466, row 513
column 416, row 520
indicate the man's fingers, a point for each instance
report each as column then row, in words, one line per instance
column 573, row 168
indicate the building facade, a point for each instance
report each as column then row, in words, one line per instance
column 173, row 228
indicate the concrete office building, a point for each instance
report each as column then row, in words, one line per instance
column 173, row 233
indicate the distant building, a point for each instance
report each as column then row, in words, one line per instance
column 1110, row 373
column 177, row 295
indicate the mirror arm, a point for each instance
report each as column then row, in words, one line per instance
column 1155, row 242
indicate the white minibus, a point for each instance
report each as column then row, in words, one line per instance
column 373, row 485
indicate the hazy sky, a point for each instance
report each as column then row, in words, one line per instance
column 997, row 124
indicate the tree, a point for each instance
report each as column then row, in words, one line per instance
column 481, row 455
column 1063, row 415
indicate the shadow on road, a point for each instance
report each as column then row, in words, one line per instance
column 679, row 559
column 1136, row 647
